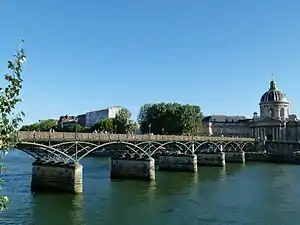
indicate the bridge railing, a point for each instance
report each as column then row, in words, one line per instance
column 67, row 136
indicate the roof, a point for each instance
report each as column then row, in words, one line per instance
column 273, row 95
column 111, row 107
column 224, row 118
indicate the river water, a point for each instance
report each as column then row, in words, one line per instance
column 256, row 193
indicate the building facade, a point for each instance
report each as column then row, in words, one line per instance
column 230, row 126
column 65, row 121
column 90, row 118
column 94, row 117
column 273, row 123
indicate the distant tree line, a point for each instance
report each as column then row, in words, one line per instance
column 121, row 124
column 160, row 118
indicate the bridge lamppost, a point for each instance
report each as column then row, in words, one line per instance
column 76, row 136
column 149, row 143
column 149, row 128
column 40, row 125
column 75, row 127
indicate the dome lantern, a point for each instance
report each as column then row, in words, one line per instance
column 272, row 85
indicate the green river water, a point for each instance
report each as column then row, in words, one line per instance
column 255, row 193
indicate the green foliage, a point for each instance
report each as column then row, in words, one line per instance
column 170, row 118
column 70, row 128
column 123, row 123
column 105, row 125
column 32, row 127
column 132, row 126
column 44, row 125
column 9, row 97
column 86, row 129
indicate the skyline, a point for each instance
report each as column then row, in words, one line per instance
column 113, row 106
column 84, row 57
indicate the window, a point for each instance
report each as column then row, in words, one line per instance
column 282, row 112
column 272, row 114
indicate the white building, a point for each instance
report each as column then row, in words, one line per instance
column 91, row 118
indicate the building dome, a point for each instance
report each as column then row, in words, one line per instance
column 273, row 95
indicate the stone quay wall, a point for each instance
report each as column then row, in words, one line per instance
column 132, row 168
column 293, row 158
column 211, row 159
column 56, row 177
column 256, row 157
column 178, row 163
column 282, row 147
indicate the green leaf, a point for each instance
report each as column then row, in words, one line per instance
column 9, row 121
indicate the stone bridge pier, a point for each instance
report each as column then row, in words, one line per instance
column 56, row 177
column 143, row 168
column 180, row 163
column 178, row 157
column 235, row 157
column 210, row 154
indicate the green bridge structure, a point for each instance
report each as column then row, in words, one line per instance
column 58, row 155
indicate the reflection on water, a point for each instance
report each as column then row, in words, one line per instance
column 46, row 210
column 237, row 194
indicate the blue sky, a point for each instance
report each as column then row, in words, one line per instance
column 88, row 55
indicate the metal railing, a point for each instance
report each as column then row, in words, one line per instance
column 68, row 136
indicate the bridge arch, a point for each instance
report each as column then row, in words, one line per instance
column 74, row 143
column 63, row 155
column 206, row 142
column 127, row 144
column 48, row 149
column 159, row 145
column 232, row 143
column 28, row 153
column 247, row 144
column 178, row 144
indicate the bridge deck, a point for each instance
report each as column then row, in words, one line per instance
column 28, row 136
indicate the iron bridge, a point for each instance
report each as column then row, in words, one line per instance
column 72, row 147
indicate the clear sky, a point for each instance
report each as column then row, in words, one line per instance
column 92, row 54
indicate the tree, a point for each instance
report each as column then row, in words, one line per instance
column 31, row 127
column 9, row 97
column 132, row 126
column 191, row 119
column 71, row 128
column 86, row 129
column 123, row 124
column 46, row 125
column 105, row 125
column 170, row 118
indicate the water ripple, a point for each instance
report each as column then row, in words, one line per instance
column 251, row 194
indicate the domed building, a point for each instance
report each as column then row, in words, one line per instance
column 273, row 123
column 274, row 115
column 274, row 104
